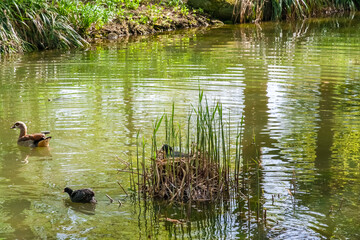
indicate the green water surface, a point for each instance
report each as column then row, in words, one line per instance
column 297, row 85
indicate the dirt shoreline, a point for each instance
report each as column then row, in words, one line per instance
column 149, row 20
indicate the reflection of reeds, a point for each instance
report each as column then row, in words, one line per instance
column 258, row 10
column 197, row 171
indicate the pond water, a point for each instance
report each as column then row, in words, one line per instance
column 295, row 84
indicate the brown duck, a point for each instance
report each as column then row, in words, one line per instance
column 31, row 140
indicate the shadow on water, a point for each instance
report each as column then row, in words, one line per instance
column 39, row 153
column 13, row 209
column 85, row 208
column 203, row 220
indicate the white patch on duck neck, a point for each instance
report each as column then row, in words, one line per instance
column 23, row 129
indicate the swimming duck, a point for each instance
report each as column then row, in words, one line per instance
column 85, row 195
column 31, row 140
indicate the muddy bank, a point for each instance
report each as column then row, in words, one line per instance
column 150, row 19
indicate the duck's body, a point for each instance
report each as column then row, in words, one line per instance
column 31, row 140
column 85, row 195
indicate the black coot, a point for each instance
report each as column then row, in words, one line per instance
column 171, row 153
column 81, row 196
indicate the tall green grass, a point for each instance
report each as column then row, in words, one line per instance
column 27, row 25
column 84, row 14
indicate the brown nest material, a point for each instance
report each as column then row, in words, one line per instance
column 189, row 177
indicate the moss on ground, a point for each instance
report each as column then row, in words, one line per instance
column 149, row 19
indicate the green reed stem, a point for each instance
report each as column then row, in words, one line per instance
column 143, row 164
column 137, row 161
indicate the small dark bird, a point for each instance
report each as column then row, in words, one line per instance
column 170, row 152
column 167, row 149
column 85, row 195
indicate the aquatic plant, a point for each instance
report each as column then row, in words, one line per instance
column 202, row 164
column 198, row 160
column 27, row 25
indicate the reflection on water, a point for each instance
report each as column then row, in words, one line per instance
column 294, row 84
column 85, row 208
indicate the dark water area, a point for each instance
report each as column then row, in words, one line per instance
column 297, row 86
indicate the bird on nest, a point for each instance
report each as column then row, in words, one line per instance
column 171, row 153
column 31, row 140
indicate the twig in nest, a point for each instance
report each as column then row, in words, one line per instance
column 111, row 200
column 124, row 170
column 129, row 171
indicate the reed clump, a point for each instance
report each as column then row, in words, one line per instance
column 201, row 165
column 184, row 178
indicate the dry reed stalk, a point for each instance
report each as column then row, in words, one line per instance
column 179, row 179
column 111, row 200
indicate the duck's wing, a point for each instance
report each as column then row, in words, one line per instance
column 31, row 139
column 44, row 142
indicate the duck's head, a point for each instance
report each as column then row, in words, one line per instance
column 68, row 190
column 19, row 125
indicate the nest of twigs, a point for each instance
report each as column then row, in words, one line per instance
column 183, row 178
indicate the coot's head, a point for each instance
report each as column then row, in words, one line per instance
column 68, row 190
column 167, row 149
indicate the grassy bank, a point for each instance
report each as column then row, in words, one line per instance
column 27, row 25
